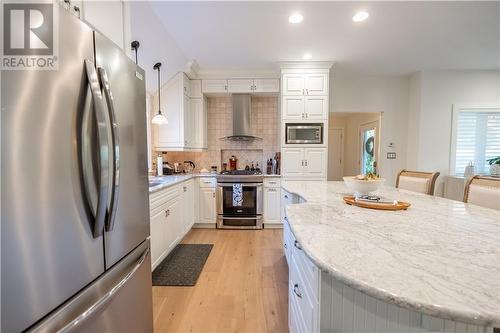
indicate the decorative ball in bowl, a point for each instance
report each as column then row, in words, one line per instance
column 361, row 185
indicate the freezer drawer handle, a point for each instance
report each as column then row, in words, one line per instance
column 102, row 302
column 115, row 187
column 96, row 192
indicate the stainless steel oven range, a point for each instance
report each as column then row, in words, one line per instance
column 239, row 210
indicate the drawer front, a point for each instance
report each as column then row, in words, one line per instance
column 272, row 182
column 208, row 182
column 160, row 197
column 307, row 305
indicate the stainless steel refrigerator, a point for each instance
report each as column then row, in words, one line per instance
column 75, row 207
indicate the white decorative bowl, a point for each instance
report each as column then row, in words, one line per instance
column 360, row 187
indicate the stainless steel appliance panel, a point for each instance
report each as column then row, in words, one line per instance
column 119, row 301
column 128, row 211
column 49, row 251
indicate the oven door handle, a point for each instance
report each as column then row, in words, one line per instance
column 239, row 218
column 243, row 184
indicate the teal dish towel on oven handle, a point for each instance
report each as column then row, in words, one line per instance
column 237, row 195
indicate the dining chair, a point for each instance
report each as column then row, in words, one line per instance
column 483, row 191
column 417, row 181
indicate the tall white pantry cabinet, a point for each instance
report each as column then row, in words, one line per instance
column 305, row 97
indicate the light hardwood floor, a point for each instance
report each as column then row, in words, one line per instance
column 243, row 286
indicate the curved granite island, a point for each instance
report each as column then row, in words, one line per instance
column 432, row 268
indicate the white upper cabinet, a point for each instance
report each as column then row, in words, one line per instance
column 198, row 113
column 195, row 89
column 316, row 107
column 214, row 86
column 316, row 84
column 293, row 107
column 187, row 125
column 240, row 85
column 296, row 107
column 266, row 86
column 293, row 84
column 305, row 84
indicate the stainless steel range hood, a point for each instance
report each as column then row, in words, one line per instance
column 241, row 119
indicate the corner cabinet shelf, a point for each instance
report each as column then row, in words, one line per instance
column 186, row 111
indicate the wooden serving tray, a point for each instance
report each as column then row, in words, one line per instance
column 400, row 205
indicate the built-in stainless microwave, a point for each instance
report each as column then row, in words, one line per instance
column 300, row 133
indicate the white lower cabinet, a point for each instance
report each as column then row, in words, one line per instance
column 272, row 211
column 310, row 163
column 207, row 201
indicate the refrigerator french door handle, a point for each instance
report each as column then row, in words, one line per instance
column 99, row 202
column 98, row 306
column 115, row 190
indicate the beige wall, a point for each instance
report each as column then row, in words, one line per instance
column 264, row 124
column 356, row 92
column 352, row 144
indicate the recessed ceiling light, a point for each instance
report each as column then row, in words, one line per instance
column 360, row 16
column 295, row 18
column 307, row 56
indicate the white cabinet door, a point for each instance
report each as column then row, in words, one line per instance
column 186, row 85
column 316, row 107
column 293, row 107
column 315, row 162
column 316, row 84
column 158, row 240
column 174, row 223
column 207, row 205
column 188, row 202
column 195, row 89
column 266, row 85
column 214, row 86
column 293, row 162
column 170, row 135
column 272, row 199
column 293, row 84
column 240, row 86
column 189, row 124
column 99, row 14
column 198, row 122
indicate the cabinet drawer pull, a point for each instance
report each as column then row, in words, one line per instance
column 284, row 245
column 286, row 196
column 213, row 194
column 296, row 244
column 296, row 290
column 167, row 212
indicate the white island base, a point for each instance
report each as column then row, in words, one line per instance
column 320, row 303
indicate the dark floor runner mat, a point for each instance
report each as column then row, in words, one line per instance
column 182, row 266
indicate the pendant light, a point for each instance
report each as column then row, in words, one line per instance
column 159, row 118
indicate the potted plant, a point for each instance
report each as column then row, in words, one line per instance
column 494, row 165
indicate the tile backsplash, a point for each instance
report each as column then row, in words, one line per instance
column 264, row 124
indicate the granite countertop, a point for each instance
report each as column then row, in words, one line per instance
column 162, row 182
column 440, row 257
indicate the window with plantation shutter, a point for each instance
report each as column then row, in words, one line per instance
column 477, row 138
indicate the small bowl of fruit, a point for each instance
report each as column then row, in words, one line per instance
column 364, row 184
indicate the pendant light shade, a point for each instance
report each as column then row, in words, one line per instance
column 159, row 118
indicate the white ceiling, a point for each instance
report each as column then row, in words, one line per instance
column 397, row 38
